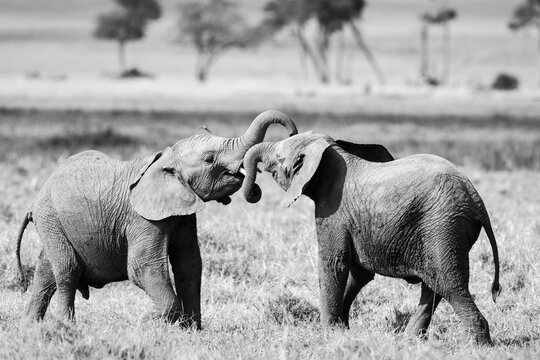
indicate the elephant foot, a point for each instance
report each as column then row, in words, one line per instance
column 335, row 323
column 170, row 316
column 482, row 339
column 189, row 323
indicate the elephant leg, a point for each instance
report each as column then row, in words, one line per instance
column 334, row 262
column 450, row 279
column 419, row 322
column 43, row 289
column 358, row 278
column 148, row 269
column 65, row 266
column 185, row 258
column 471, row 317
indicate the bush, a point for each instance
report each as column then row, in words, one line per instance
column 505, row 82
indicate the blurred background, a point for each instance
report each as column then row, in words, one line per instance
column 175, row 54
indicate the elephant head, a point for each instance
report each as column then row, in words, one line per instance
column 179, row 179
column 294, row 161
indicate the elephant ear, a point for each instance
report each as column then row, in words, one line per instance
column 304, row 167
column 160, row 191
column 369, row 152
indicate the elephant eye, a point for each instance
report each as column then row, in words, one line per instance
column 169, row 170
column 209, row 158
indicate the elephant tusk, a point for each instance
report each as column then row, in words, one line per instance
column 243, row 171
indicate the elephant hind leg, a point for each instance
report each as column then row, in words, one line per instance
column 358, row 278
column 65, row 266
column 419, row 322
column 471, row 317
column 43, row 289
column 67, row 282
column 452, row 283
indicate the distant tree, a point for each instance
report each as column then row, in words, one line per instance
column 527, row 15
column 331, row 17
column 213, row 27
column 440, row 17
column 334, row 15
column 295, row 14
column 126, row 23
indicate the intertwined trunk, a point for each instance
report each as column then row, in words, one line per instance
column 257, row 130
column 258, row 153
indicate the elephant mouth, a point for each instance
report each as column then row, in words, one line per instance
column 236, row 178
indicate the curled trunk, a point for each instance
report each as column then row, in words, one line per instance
column 258, row 153
column 257, row 130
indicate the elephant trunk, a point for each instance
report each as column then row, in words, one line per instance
column 259, row 152
column 257, row 130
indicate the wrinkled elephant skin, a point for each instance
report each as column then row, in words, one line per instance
column 414, row 218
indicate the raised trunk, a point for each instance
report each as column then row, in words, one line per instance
column 257, row 130
column 260, row 152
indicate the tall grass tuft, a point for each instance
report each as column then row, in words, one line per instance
column 288, row 309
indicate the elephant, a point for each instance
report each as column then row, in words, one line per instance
column 102, row 220
column 414, row 218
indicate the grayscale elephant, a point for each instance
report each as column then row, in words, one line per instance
column 102, row 220
column 414, row 218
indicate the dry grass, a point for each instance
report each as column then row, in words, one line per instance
column 260, row 286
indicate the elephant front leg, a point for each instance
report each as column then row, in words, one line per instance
column 334, row 262
column 185, row 258
column 358, row 278
column 148, row 269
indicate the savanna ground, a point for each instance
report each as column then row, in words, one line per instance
column 260, row 289
column 58, row 96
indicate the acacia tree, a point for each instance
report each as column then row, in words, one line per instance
column 213, row 27
column 126, row 23
column 331, row 17
column 294, row 14
column 334, row 15
column 440, row 17
column 527, row 15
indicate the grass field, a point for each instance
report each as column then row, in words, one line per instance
column 59, row 95
column 260, row 290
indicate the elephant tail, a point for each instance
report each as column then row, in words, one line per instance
column 22, row 277
column 495, row 287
